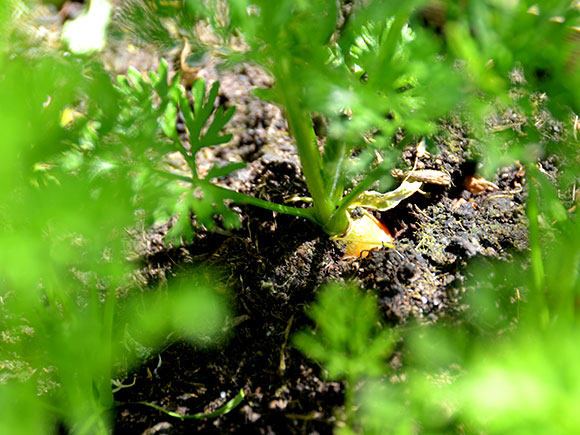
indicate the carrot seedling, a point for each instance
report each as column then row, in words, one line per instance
column 365, row 79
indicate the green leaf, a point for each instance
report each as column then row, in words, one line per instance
column 222, row 410
column 136, row 80
column 198, row 118
column 221, row 118
column 348, row 340
column 217, row 171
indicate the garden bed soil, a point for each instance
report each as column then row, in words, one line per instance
column 272, row 266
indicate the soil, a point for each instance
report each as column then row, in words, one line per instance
column 272, row 266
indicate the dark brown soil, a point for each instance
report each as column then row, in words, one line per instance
column 273, row 265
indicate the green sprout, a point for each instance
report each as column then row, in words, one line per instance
column 368, row 81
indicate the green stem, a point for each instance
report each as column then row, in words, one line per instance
column 367, row 182
column 189, row 159
column 536, row 251
column 173, row 176
column 242, row 198
column 389, row 46
column 310, row 158
column 333, row 161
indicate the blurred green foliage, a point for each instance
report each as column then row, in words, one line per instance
column 64, row 209
column 350, row 342
column 69, row 188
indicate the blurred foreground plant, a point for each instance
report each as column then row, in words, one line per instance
column 512, row 367
column 63, row 215
column 349, row 340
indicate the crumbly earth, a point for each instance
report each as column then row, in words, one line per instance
column 273, row 265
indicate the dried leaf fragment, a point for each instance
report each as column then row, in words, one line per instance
column 477, row 185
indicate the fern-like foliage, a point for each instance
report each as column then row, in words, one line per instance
column 146, row 146
column 348, row 340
